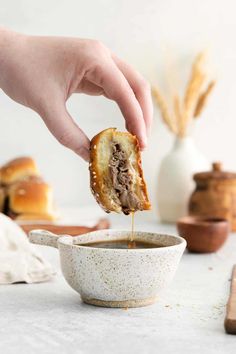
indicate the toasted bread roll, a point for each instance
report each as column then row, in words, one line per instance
column 30, row 199
column 116, row 176
column 17, row 169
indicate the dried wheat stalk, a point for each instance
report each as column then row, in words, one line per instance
column 201, row 103
column 193, row 102
column 193, row 88
column 178, row 114
column 194, row 78
column 161, row 102
column 193, row 94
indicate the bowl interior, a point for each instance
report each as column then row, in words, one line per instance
column 214, row 220
column 116, row 235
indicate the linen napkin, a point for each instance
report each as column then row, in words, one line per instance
column 19, row 261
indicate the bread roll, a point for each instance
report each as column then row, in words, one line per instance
column 30, row 199
column 17, row 169
column 116, row 175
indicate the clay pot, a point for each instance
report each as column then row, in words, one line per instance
column 203, row 235
column 215, row 195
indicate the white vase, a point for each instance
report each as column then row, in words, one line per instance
column 175, row 180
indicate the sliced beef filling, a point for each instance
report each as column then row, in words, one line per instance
column 122, row 180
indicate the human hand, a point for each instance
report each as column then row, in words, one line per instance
column 43, row 72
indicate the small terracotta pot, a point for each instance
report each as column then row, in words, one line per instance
column 203, row 235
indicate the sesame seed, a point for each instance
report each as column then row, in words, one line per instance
column 95, row 147
column 21, row 192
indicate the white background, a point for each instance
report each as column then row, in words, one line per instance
column 138, row 31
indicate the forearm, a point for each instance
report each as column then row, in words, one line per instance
column 11, row 61
column 6, row 39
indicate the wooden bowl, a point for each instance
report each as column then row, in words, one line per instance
column 203, row 235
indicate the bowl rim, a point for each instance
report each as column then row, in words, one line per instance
column 72, row 241
column 207, row 221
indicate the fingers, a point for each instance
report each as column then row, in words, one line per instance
column 65, row 130
column 117, row 88
column 140, row 87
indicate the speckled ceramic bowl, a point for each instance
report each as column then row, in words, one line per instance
column 116, row 277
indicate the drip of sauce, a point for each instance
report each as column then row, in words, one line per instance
column 128, row 243
column 132, row 227
column 131, row 242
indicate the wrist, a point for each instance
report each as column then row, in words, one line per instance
column 5, row 35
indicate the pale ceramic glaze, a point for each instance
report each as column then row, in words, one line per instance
column 115, row 277
column 175, row 179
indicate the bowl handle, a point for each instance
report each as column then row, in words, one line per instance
column 43, row 237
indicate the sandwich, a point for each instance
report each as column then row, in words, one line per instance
column 116, row 176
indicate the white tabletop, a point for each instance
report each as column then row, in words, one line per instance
column 188, row 318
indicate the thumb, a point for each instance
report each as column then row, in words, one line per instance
column 65, row 130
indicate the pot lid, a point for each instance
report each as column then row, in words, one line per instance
column 215, row 173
